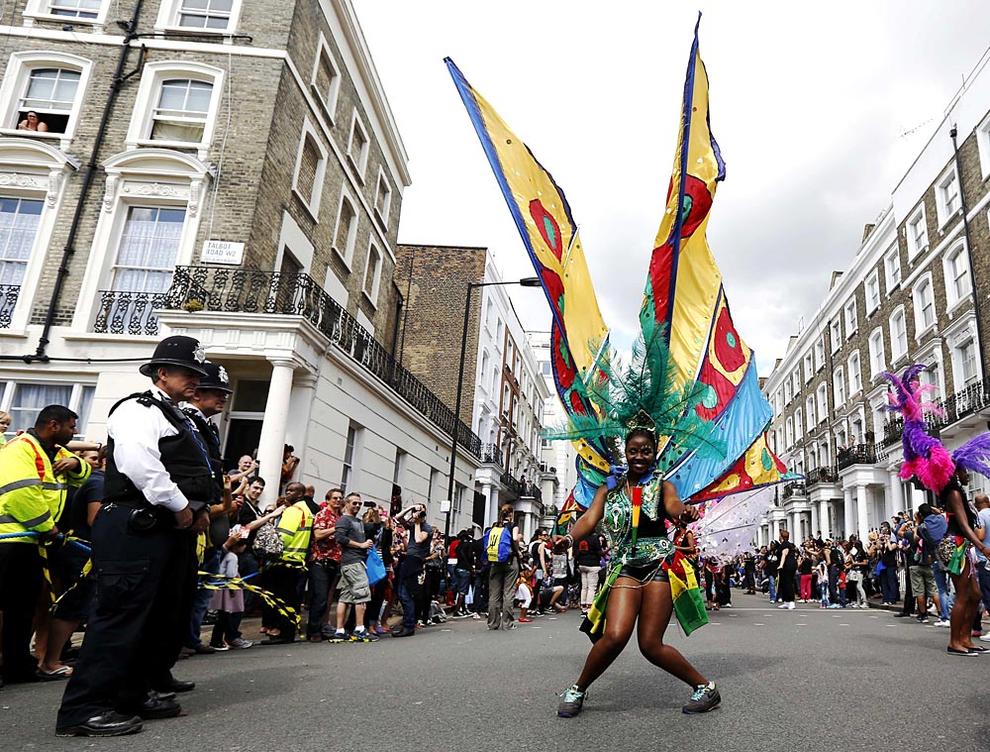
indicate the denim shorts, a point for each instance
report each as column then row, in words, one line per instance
column 462, row 581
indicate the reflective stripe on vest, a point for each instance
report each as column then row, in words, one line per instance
column 4, row 519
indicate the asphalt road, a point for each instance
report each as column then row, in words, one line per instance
column 807, row 679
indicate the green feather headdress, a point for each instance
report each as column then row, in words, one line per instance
column 644, row 394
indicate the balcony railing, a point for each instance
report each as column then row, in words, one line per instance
column 196, row 288
column 822, row 475
column 511, row 483
column 8, row 299
column 123, row 312
column 861, row 454
column 491, row 454
column 971, row 399
column 794, row 488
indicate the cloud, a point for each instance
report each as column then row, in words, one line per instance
column 810, row 124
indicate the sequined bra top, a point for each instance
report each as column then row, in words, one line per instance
column 616, row 523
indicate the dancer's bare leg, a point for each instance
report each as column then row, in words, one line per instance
column 654, row 616
column 623, row 607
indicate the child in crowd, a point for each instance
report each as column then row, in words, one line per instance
column 524, row 593
column 229, row 602
column 822, row 572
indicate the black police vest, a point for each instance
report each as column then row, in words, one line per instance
column 212, row 441
column 181, row 455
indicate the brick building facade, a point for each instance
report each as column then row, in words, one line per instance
column 503, row 391
column 246, row 189
column 908, row 297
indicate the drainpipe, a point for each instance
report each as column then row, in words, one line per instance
column 969, row 248
column 130, row 33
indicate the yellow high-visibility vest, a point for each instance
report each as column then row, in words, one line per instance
column 295, row 526
column 31, row 496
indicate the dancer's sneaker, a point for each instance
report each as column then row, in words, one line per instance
column 704, row 698
column 571, row 701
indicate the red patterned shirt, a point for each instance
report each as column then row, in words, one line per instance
column 327, row 549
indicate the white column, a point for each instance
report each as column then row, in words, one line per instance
column 297, row 426
column 919, row 497
column 848, row 513
column 896, row 494
column 272, row 440
column 823, row 510
column 491, row 503
column 815, row 521
column 862, row 513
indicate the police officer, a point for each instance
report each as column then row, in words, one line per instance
column 210, row 399
column 158, row 478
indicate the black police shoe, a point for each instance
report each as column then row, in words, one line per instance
column 156, row 706
column 111, row 723
column 175, row 685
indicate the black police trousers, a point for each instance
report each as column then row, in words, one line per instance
column 144, row 583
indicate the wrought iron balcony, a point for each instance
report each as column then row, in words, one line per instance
column 861, row 454
column 511, row 483
column 201, row 288
column 795, row 488
column 123, row 312
column 968, row 401
column 491, row 454
column 822, row 475
column 8, row 299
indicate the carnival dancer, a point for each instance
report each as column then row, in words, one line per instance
column 638, row 589
column 945, row 474
column 158, row 480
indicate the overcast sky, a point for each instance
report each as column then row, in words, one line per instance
column 818, row 112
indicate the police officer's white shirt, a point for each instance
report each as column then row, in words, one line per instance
column 136, row 430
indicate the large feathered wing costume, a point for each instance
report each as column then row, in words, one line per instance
column 700, row 388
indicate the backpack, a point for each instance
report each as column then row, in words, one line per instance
column 498, row 544
column 268, row 543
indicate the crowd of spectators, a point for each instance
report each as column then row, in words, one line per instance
column 895, row 567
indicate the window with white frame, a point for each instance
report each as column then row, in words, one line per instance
column 789, row 432
column 809, row 411
column 983, row 145
column 852, row 323
column 358, row 146
column 326, row 78
column 199, row 16
column 878, row 414
column 957, row 280
column 311, row 166
column 148, row 250
column 947, row 196
column 965, row 361
column 176, row 106
column 809, row 369
column 79, row 10
column 18, row 227
column 373, row 273
column 924, row 305
column 892, row 268
column 856, row 429
column 835, row 334
column 350, row 451
column 345, row 233
column 788, row 391
column 820, row 354
column 898, row 335
column 25, row 399
column 821, row 397
column 383, row 198
column 841, row 437
column 839, row 386
column 181, row 111
column 917, row 232
column 204, row 14
column 47, row 100
column 872, row 292
column 878, row 360
column 855, row 374
column 796, row 378
column 931, row 377
column 798, row 425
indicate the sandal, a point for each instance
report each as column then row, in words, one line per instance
column 62, row 672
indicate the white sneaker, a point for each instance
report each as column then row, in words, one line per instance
column 782, row 605
column 943, row 623
column 985, row 638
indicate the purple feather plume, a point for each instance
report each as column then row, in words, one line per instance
column 975, row 454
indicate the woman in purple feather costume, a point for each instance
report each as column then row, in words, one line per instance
column 927, row 459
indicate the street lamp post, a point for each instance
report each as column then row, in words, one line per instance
column 455, row 434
